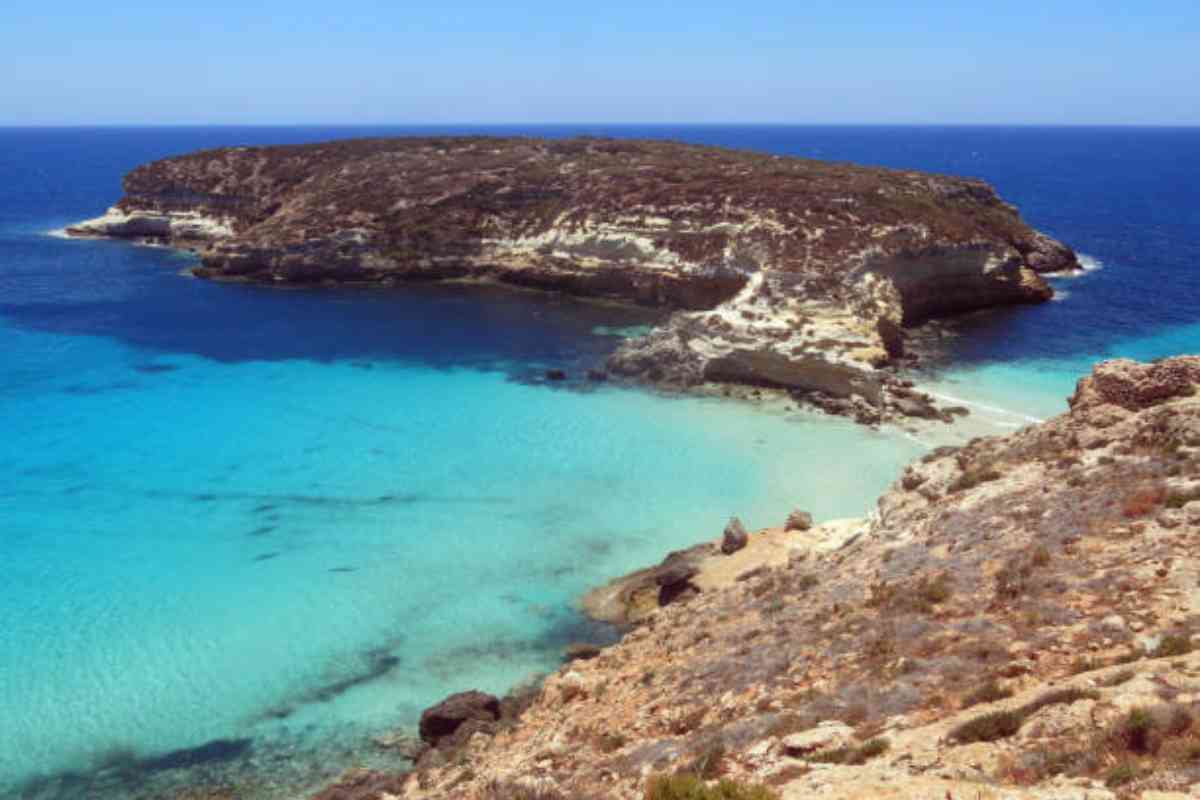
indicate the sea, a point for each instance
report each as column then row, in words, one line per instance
column 247, row 534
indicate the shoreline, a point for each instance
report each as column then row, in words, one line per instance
column 778, row 401
column 921, row 342
column 633, row 597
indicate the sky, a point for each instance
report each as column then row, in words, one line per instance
column 785, row 61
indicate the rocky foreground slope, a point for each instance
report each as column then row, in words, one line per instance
column 787, row 272
column 1018, row 619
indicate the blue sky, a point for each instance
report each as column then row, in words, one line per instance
column 372, row 62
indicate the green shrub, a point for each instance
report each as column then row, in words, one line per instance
column 1002, row 724
column 1136, row 730
column 686, row 786
column 1057, row 697
column 973, row 477
column 1177, row 499
column 1172, row 646
column 988, row 727
column 852, row 755
column 709, row 764
column 990, row 692
column 919, row 597
column 611, row 742
column 1121, row 775
column 1116, row 679
column 934, row 590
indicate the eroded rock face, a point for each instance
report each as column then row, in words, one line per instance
column 786, row 272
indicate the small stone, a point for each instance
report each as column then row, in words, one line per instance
column 760, row 750
column 830, row 733
column 1113, row 622
column 735, row 537
column 798, row 521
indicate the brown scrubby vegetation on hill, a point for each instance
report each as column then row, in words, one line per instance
column 438, row 197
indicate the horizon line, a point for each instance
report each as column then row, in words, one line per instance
column 561, row 124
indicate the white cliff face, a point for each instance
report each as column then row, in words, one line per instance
column 591, row 242
column 174, row 226
column 945, row 280
column 766, row 336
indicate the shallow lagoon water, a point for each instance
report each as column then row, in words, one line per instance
column 292, row 519
column 213, row 537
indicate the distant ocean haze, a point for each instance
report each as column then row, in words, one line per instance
column 292, row 519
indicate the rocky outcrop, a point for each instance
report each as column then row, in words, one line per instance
column 798, row 521
column 786, row 272
column 735, row 537
column 1018, row 619
column 1133, row 386
column 450, row 717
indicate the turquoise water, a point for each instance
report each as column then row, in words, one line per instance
column 274, row 524
column 194, row 549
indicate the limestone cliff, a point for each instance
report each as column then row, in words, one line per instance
column 796, row 273
column 1018, row 619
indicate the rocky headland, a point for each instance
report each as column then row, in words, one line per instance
column 783, row 272
column 1018, row 618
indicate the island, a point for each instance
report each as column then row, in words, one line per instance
column 782, row 272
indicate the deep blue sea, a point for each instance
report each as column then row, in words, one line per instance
column 246, row 530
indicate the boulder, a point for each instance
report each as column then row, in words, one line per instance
column 916, row 406
column 674, row 579
column 675, row 573
column 1134, row 386
column 830, row 733
column 735, row 537
column 798, row 521
column 445, row 719
column 892, row 337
